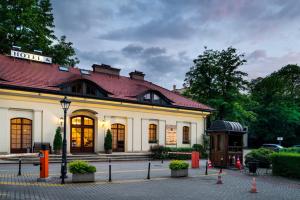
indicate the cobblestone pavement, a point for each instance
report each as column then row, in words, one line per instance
column 129, row 182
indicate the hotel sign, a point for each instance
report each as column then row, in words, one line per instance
column 30, row 56
column 171, row 135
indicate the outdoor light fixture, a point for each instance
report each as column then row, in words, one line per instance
column 61, row 121
column 65, row 104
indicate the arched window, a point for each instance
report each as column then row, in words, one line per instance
column 186, row 135
column 152, row 133
column 21, row 135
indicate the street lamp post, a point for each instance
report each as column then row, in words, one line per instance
column 65, row 104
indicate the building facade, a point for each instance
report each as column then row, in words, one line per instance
column 138, row 113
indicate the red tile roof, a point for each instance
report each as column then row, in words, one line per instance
column 34, row 75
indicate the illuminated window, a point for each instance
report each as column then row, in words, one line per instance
column 186, row 135
column 152, row 133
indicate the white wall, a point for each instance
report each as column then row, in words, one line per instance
column 45, row 115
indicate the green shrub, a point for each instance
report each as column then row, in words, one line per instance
column 57, row 143
column 108, row 140
column 158, row 152
column 261, row 155
column 178, row 164
column 161, row 152
column 81, row 167
column 291, row 150
column 286, row 164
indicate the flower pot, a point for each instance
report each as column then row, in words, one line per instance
column 58, row 152
column 83, row 178
column 179, row 173
column 108, row 151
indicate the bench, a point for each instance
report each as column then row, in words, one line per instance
column 37, row 147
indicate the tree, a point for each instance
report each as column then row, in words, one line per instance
column 57, row 143
column 108, row 141
column 215, row 80
column 277, row 107
column 30, row 25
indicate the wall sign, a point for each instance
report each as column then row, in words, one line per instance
column 171, row 135
column 30, row 56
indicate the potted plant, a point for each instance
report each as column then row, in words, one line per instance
column 108, row 142
column 82, row 171
column 57, row 143
column 179, row 168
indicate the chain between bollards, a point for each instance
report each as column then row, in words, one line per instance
column 20, row 166
column 149, row 166
column 109, row 170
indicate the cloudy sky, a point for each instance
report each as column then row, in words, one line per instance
column 162, row 37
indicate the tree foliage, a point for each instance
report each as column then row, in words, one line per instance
column 278, row 106
column 214, row 79
column 57, row 143
column 30, row 25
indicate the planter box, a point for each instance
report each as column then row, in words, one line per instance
column 108, row 151
column 82, row 178
column 180, row 173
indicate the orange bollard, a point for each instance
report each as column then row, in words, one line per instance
column 195, row 159
column 44, row 166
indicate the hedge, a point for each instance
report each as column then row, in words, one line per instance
column 261, row 155
column 291, row 150
column 161, row 152
column 286, row 164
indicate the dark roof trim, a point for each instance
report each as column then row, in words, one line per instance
column 13, row 87
column 84, row 80
column 226, row 126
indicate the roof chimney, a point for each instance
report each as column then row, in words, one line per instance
column 137, row 75
column 106, row 69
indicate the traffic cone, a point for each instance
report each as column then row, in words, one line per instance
column 219, row 181
column 209, row 164
column 253, row 187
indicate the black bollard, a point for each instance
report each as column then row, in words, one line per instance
column 20, row 166
column 109, row 171
column 149, row 165
column 206, row 168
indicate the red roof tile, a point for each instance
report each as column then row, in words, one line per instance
column 34, row 75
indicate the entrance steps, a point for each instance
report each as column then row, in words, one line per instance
column 95, row 157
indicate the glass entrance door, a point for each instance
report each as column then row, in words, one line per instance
column 21, row 135
column 118, row 134
column 82, row 134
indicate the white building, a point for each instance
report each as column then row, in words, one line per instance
column 138, row 112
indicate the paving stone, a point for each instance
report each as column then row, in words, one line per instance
column 129, row 182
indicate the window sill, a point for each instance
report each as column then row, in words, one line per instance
column 152, row 142
column 186, row 143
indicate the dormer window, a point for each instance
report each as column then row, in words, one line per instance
column 154, row 97
column 83, row 87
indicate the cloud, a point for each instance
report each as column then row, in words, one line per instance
column 162, row 37
column 261, row 65
column 155, row 29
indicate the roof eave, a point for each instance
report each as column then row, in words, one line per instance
column 40, row 90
